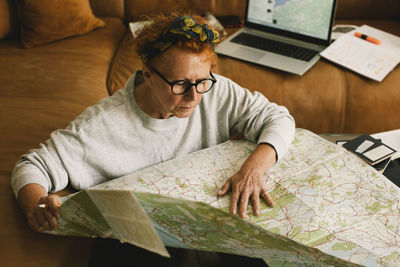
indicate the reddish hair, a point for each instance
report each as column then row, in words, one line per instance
column 159, row 27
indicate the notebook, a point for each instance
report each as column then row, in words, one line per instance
column 283, row 34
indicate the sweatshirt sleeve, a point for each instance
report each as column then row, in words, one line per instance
column 52, row 163
column 259, row 120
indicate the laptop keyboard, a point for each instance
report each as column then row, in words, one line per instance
column 273, row 46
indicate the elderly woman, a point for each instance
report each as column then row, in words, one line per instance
column 174, row 106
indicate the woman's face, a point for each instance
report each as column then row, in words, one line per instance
column 176, row 64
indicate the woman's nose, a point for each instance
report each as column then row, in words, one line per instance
column 191, row 94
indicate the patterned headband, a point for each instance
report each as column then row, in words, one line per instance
column 181, row 27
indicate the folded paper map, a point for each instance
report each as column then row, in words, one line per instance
column 331, row 208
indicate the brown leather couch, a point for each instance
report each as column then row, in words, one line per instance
column 45, row 87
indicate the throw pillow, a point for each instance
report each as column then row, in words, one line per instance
column 46, row 21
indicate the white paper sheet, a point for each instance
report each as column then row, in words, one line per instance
column 364, row 57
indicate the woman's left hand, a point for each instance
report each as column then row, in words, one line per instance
column 248, row 182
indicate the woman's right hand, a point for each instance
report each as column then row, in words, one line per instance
column 41, row 210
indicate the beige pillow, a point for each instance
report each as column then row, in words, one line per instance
column 45, row 21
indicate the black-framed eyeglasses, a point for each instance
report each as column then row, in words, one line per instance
column 180, row 87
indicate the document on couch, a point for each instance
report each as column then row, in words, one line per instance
column 372, row 150
column 371, row 59
column 331, row 208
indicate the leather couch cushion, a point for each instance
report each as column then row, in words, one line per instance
column 46, row 21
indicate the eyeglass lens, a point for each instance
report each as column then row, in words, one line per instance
column 201, row 86
column 180, row 87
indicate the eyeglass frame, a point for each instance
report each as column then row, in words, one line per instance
column 188, row 85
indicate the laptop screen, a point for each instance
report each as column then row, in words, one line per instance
column 310, row 18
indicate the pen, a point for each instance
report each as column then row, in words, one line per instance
column 367, row 38
column 43, row 206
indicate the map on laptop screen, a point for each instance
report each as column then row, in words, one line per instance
column 309, row 17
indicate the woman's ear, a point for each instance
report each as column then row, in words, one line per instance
column 146, row 72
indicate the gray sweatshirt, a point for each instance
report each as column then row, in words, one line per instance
column 115, row 137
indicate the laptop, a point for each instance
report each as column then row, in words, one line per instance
column 283, row 34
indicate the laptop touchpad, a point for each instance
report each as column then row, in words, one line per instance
column 249, row 54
